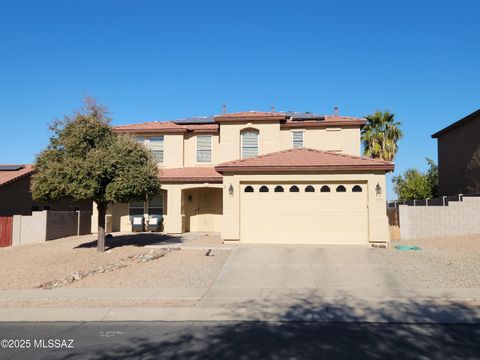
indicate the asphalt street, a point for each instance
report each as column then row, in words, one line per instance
column 234, row 340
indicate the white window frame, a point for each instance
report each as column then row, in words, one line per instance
column 197, row 150
column 241, row 141
column 293, row 139
column 163, row 148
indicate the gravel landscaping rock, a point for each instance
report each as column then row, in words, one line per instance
column 117, row 264
column 448, row 262
column 70, row 259
column 185, row 269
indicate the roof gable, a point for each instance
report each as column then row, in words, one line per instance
column 470, row 117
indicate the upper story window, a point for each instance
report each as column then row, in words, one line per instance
column 204, row 148
column 249, row 143
column 155, row 145
column 140, row 140
column 297, row 139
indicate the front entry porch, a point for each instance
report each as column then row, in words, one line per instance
column 202, row 209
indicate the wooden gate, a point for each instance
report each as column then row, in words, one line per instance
column 6, row 228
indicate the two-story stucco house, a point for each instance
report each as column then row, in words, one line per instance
column 264, row 177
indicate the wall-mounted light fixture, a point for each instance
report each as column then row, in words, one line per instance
column 378, row 190
column 230, row 190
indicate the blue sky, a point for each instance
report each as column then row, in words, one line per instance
column 160, row 60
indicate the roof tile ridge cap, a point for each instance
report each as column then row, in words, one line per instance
column 254, row 158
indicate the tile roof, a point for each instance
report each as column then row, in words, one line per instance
column 328, row 120
column 304, row 159
column 189, row 174
column 7, row 177
column 207, row 128
column 251, row 115
column 210, row 124
column 152, row 126
column 166, row 127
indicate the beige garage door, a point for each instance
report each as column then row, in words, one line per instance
column 326, row 213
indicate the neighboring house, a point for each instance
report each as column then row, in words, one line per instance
column 459, row 156
column 15, row 196
column 263, row 177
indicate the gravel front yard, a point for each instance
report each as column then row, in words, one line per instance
column 449, row 262
column 29, row 266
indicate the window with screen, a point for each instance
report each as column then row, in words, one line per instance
column 204, row 148
column 249, row 143
column 156, row 147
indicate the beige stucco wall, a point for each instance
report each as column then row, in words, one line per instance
column 345, row 140
column 180, row 150
column 230, row 139
column 377, row 218
column 190, row 150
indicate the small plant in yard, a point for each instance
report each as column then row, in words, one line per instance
column 86, row 160
column 414, row 184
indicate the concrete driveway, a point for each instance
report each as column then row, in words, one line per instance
column 319, row 283
column 291, row 275
column 306, row 267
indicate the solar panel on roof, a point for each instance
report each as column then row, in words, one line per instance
column 11, row 167
column 196, row 120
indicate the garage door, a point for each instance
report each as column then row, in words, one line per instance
column 326, row 213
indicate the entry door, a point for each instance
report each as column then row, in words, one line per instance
column 304, row 214
column 204, row 210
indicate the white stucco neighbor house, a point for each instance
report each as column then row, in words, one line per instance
column 263, row 177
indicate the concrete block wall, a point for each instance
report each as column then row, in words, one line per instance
column 61, row 224
column 456, row 219
column 42, row 226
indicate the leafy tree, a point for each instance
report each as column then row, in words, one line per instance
column 85, row 160
column 473, row 173
column 432, row 177
column 380, row 136
column 414, row 184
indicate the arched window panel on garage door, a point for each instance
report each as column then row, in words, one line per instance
column 248, row 189
column 294, row 188
column 357, row 188
column 309, row 188
column 263, row 188
column 341, row 188
column 325, row 189
column 279, row 188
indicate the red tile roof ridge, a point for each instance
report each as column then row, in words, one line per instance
column 239, row 161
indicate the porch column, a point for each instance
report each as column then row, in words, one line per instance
column 173, row 222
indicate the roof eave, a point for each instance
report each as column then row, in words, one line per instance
column 456, row 124
column 149, row 130
column 321, row 124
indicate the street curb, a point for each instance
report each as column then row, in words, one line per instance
column 438, row 315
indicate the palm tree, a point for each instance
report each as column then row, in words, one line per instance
column 380, row 136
